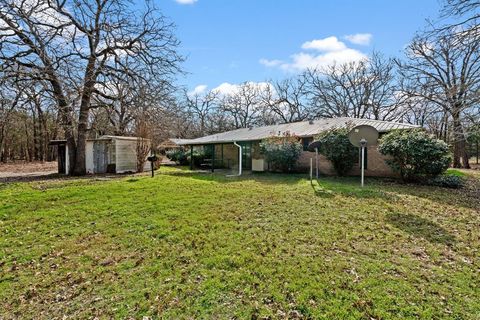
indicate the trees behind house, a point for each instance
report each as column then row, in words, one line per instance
column 445, row 71
column 361, row 89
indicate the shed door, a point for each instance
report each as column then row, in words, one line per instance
column 61, row 158
column 100, row 157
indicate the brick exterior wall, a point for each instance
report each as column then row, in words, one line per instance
column 376, row 166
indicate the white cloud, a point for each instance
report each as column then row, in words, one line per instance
column 325, row 45
column 226, row 88
column 270, row 63
column 186, row 1
column 359, row 38
column 302, row 61
column 229, row 88
column 330, row 51
column 198, row 90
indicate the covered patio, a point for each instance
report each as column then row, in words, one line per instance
column 226, row 156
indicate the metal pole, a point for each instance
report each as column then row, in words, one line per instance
column 316, row 161
column 363, row 164
column 311, row 169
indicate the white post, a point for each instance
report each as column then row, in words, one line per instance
column 363, row 163
column 239, row 158
column 311, row 169
column 316, row 161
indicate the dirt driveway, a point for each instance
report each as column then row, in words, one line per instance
column 21, row 170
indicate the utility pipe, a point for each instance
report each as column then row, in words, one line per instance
column 239, row 159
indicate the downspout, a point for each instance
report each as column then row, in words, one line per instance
column 239, row 159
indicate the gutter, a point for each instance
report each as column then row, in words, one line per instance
column 239, row 160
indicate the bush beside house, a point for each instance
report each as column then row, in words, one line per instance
column 199, row 157
column 179, row 156
column 182, row 157
column 414, row 154
column 336, row 147
column 281, row 153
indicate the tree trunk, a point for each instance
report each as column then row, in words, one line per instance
column 42, row 132
column 80, row 166
column 460, row 157
column 65, row 115
column 477, row 150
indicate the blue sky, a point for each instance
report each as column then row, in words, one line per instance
column 232, row 41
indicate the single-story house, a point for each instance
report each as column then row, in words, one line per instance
column 225, row 146
column 106, row 154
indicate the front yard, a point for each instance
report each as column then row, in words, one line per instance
column 192, row 245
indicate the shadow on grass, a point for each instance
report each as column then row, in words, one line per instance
column 421, row 228
column 327, row 187
column 468, row 197
column 320, row 191
column 228, row 176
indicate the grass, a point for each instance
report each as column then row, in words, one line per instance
column 456, row 172
column 190, row 245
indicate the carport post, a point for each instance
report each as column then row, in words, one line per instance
column 213, row 158
column 191, row 157
column 363, row 164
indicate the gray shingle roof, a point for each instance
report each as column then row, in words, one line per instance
column 301, row 129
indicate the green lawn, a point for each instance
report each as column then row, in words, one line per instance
column 185, row 245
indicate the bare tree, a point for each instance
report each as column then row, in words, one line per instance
column 77, row 47
column 202, row 107
column 10, row 98
column 143, row 132
column 361, row 89
column 446, row 72
column 244, row 105
column 289, row 100
column 467, row 17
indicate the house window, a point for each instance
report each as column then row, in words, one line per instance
column 306, row 142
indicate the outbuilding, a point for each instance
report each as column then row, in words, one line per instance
column 107, row 154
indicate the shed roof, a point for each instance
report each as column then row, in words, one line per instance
column 108, row 137
column 301, row 129
column 105, row 137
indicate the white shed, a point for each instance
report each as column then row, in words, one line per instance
column 107, row 154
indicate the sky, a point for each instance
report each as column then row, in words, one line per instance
column 227, row 42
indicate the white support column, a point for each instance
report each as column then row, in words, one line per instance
column 363, row 164
column 239, row 158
